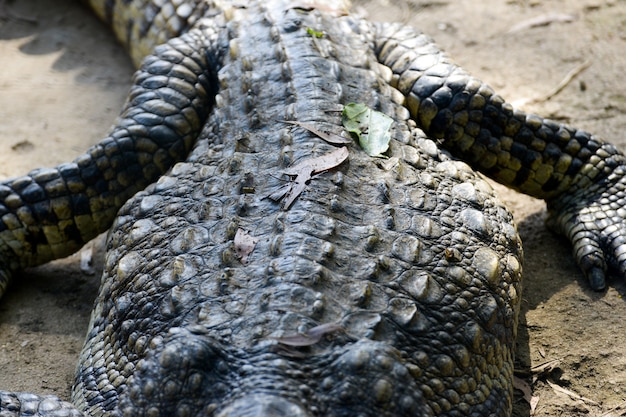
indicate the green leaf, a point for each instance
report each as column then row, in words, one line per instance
column 314, row 33
column 372, row 128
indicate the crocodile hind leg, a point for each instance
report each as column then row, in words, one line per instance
column 51, row 213
column 582, row 178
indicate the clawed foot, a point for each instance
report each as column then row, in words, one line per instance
column 594, row 220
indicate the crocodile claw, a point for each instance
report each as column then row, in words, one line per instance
column 596, row 279
column 594, row 220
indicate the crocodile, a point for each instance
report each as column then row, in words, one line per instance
column 388, row 287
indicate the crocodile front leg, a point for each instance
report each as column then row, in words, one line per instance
column 582, row 178
column 51, row 213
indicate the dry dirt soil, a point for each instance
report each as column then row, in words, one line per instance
column 63, row 79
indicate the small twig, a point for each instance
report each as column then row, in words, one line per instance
column 556, row 90
column 543, row 20
column 571, row 394
column 609, row 413
column 545, row 367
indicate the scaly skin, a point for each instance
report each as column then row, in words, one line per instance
column 51, row 213
column 405, row 274
column 579, row 175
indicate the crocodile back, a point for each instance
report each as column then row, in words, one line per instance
column 409, row 265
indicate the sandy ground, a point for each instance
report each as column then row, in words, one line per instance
column 63, row 79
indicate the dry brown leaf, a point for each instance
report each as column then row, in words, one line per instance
column 295, row 189
column 534, row 401
column 520, row 384
column 244, row 245
column 311, row 337
column 571, row 394
column 329, row 137
column 546, row 367
column 280, row 193
column 319, row 164
column 523, row 386
column 305, row 170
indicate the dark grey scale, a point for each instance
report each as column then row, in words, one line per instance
column 390, row 287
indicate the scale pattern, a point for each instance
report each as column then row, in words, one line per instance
column 391, row 287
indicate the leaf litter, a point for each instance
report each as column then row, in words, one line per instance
column 526, row 389
column 329, row 137
column 244, row 245
column 372, row 129
column 292, row 345
column 311, row 337
column 304, row 171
